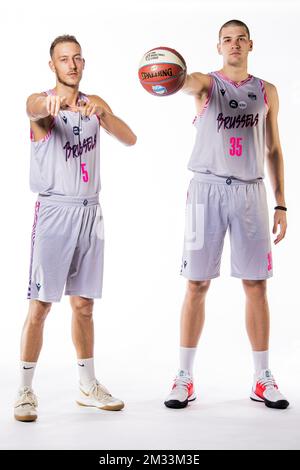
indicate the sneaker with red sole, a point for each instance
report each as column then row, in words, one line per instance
column 265, row 390
column 182, row 391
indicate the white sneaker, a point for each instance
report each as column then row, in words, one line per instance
column 265, row 389
column 99, row 397
column 182, row 391
column 25, row 407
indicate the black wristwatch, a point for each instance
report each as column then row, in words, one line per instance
column 282, row 208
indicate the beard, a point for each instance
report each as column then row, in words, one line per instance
column 65, row 83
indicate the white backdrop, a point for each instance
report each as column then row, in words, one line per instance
column 143, row 200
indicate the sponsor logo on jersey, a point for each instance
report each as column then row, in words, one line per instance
column 77, row 130
column 234, row 122
column 252, row 96
column 64, row 118
column 242, row 104
column 38, row 286
column 233, row 104
column 222, row 91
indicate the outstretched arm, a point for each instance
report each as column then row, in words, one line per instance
column 196, row 84
column 41, row 109
column 40, row 106
column 108, row 120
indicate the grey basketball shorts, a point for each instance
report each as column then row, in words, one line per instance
column 215, row 204
column 67, row 248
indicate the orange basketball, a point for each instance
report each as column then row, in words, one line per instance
column 162, row 71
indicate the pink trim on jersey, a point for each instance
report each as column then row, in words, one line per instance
column 47, row 136
column 270, row 264
column 206, row 102
column 263, row 90
column 237, row 85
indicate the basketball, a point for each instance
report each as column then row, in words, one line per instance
column 162, row 71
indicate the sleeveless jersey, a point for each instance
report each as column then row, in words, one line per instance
column 67, row 160
column 231, row 129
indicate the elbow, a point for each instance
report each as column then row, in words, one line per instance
column 31, row 116
column 30, row 113
column 273, row 152
column 28, row 109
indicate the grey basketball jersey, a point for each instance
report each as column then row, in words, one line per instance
column 231, row 129
column 67, row 160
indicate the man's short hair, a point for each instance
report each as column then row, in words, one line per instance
column 60, row 39
column 234, row 23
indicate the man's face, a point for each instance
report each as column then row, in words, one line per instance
column 234, row 45
column 67, row 63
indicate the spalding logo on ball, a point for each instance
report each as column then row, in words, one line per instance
column 162, row 71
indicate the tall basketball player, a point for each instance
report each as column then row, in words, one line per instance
column 236, row 126
column 67, row 235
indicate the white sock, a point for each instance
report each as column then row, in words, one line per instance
column 27, row 370
column 186, row 359
column 86, row 373
column 261, row 360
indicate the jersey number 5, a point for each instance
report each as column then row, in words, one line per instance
column 85, row 175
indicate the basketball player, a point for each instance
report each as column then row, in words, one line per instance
column 236, row 126
column 67, row 236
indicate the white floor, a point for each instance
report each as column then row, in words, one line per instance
column 212, row 422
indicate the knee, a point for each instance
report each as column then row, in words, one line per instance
column 82, row 307
column 38, row 311
column 255, row 288
column 197, row 289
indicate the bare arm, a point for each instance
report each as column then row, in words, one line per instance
column 111, row 123
column 41, row 109
column 196, row 84
column 40, row 106
column 275, row 160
